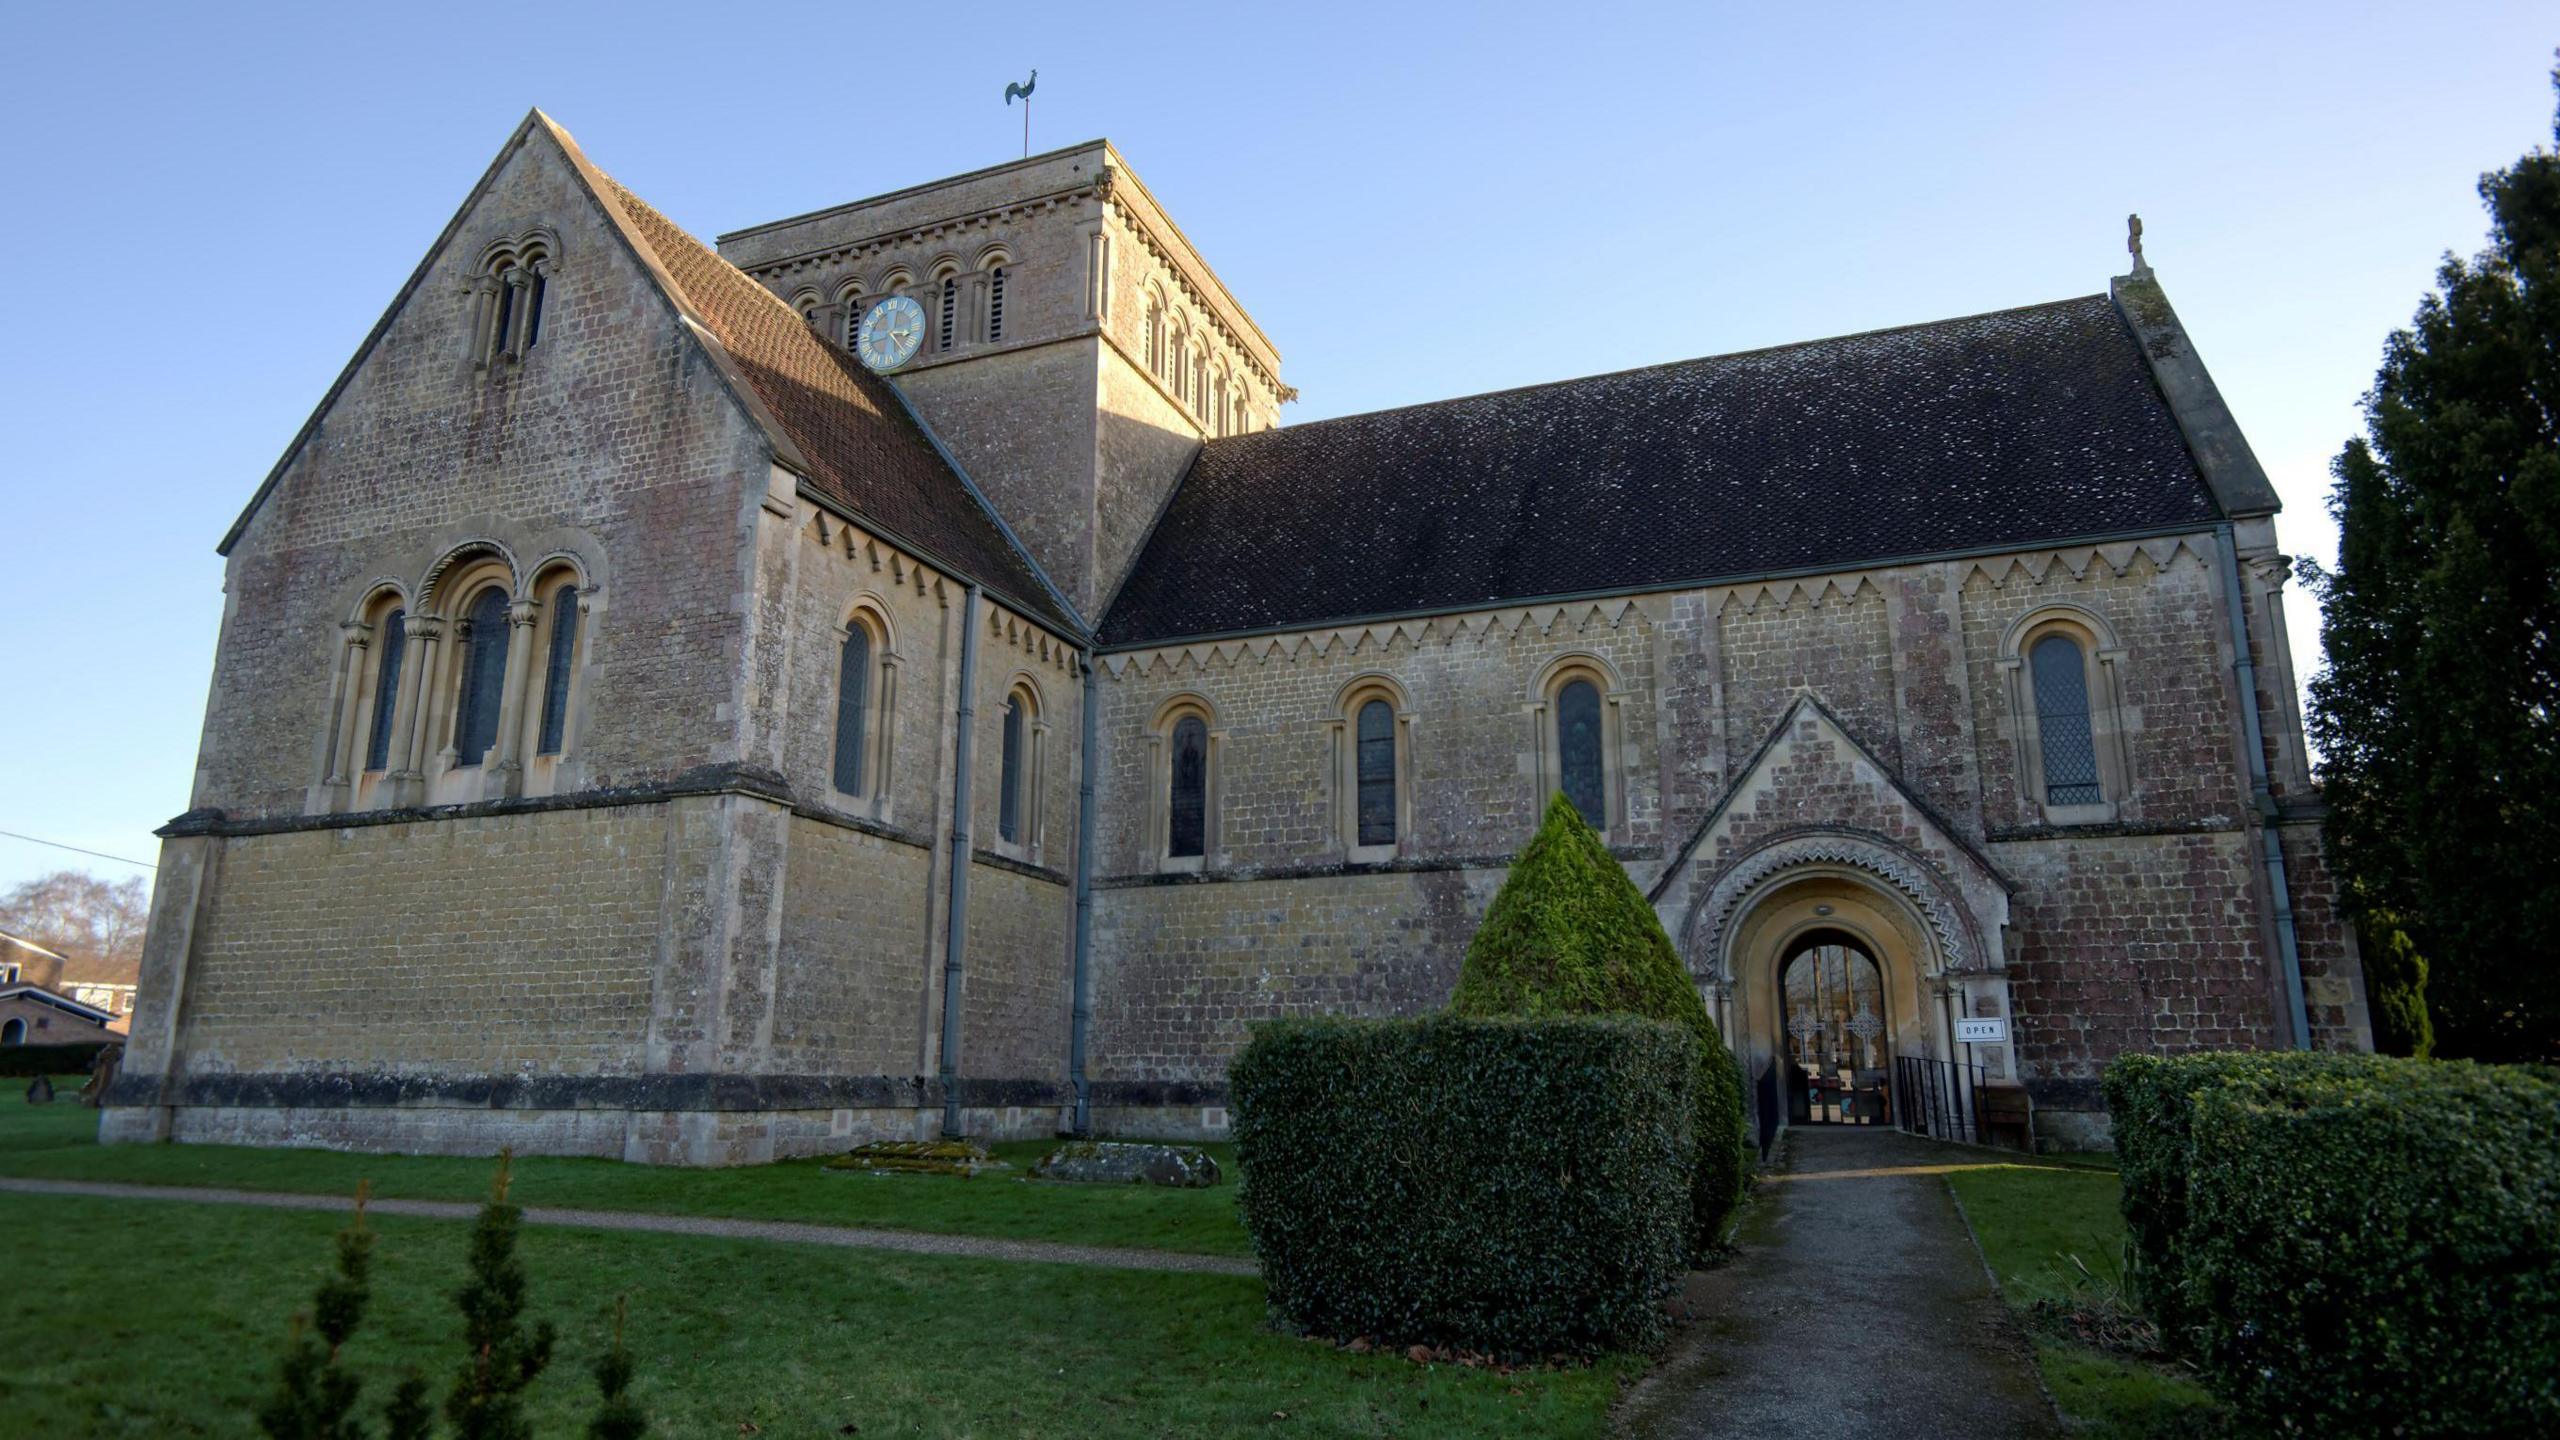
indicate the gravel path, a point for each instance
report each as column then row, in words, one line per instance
column 912, row 1242
column 1858, row 1309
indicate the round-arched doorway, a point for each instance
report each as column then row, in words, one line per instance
column 1837, row 1036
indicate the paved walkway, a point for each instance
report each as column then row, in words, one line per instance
column 1857, row 1309
column 912, row 1242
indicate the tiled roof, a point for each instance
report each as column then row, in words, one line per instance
column 860, row 445
column 2024, row 427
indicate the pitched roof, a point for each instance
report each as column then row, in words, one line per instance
column 2023, row 427
column 843, row 427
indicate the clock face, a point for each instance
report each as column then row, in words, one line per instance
column 891, row 334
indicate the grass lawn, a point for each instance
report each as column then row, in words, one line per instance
column 2031, row 1222
column 59, row 1142
column 158, row 1318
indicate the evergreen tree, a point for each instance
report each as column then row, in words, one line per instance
column 619, row 1417
column 487, row 1399
column 409, row 1416
column 1569, row 934
column 315, row 1399
column 2439, row 714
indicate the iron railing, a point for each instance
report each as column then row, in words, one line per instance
column 1938, row 1098
column 1767, row 1098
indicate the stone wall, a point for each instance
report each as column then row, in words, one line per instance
column 857, row 983
column 420, row 453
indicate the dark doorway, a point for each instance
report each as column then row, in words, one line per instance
column 1839, row 1063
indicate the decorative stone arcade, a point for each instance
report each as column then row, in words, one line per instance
column 1876, row 876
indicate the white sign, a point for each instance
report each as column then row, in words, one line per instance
column 1983, row 1032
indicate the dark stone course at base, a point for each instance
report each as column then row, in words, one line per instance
column 1102, row 1162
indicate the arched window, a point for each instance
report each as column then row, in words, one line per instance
column 484, row 676
column 947, row 328
column 995, row 304
column 1187, row 805
column 1021, row 738
column 557, row 664
column 1377, row 773
column 1218, row 405
column 2062, row 722
column 853, row 705
column 1581, row 749
column 14, row 1032
column 2074, row 737
column 1155, row 337
column 855, row 303
column 391, row 642
column 514, row 280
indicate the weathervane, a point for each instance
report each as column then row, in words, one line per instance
column 2132, row 242
column 1023, row 93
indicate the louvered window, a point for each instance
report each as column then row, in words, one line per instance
column 555, row 668
column 484, row 676
column 1190, row 798
column 995, row 304
column 392, row 638
column 854, row 305
column 1579, row 751
column 853, row 703
column 1377, row 766
column 950, row 311
column 1009, row 799
column 2062, row 722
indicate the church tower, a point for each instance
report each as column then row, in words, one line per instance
column 1077, row 349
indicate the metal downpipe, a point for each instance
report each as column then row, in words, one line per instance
column 955, row 941
column 1083, row 1017
column 2261, row 795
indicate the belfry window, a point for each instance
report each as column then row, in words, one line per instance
column 995, row 304
column 2062, row 722
column 946, row 330
column 484, row 676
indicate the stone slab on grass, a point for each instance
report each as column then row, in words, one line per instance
column 963, row 1158
column 1105, row 1162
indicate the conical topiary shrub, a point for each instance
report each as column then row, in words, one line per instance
column 1570, row 934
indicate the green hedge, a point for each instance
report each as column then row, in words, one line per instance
column 29, row 1061
column 1569, row 934
column 2351, row 1244
column 1514, row 1186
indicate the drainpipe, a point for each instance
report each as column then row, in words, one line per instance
column 955, row 941
column 2271, row 843
column 1083, row 1021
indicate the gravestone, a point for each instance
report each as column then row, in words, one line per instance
column 963, row 1158
column 40, row 1090
column 1104, row 1162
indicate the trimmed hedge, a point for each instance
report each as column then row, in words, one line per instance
column 25, row 1062
column 1569, row 934
column 2351, row 1244
column 1514, row 1186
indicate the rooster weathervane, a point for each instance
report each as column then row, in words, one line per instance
column 1022, row 92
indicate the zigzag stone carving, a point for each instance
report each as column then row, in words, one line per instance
column 1914, row 878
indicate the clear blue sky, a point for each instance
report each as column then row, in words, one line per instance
column 209, row 206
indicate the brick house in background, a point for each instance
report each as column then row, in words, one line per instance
column 30, row 1014
column 105, row 984
column 894, row 674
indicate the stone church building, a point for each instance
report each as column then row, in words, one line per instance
column 893, row 672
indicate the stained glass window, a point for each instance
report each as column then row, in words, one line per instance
column 391, row 637
column 555, row 668
column 484, row 676
column 2062, row 722
column 1578, row 748
column 1377, row 763
column 853, row 702
column 1190, row 800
